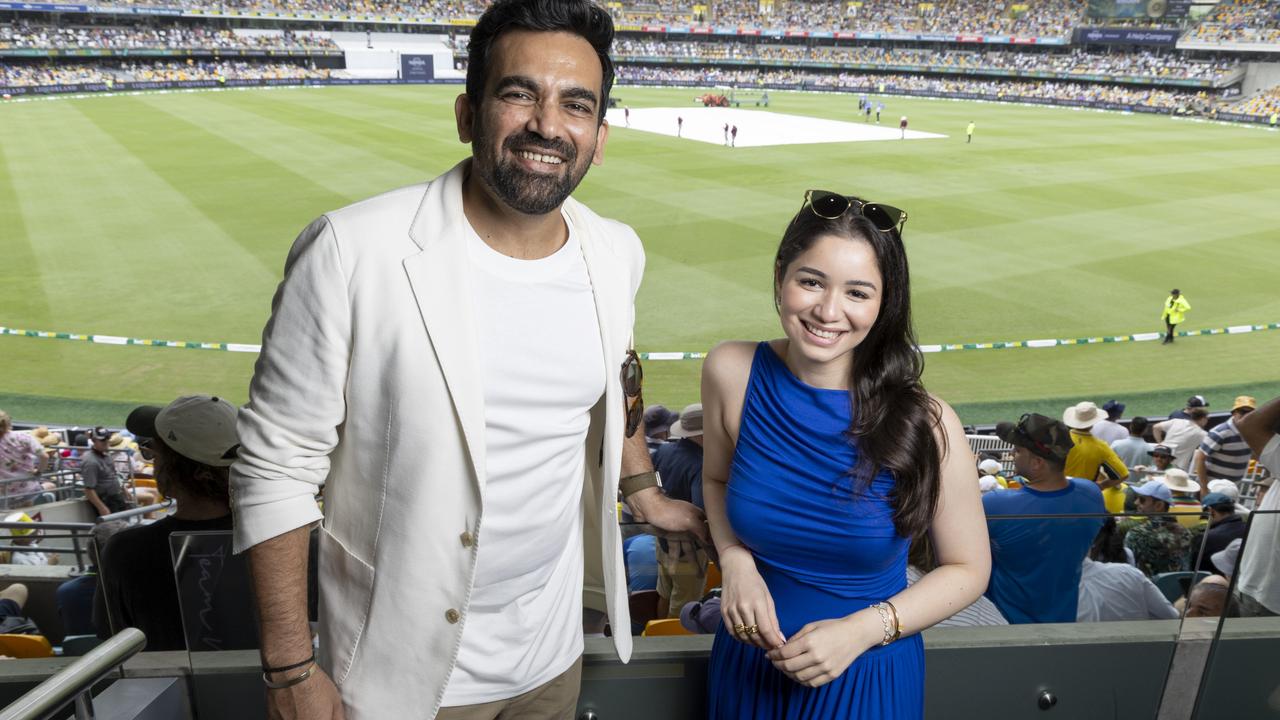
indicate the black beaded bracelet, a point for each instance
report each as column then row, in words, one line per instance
column 283, row 668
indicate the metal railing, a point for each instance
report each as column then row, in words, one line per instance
column 138, row 511
column 75, row 682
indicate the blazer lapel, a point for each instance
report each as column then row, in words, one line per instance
column 441, row 287
column 611, row 287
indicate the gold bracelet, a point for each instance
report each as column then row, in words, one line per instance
column 291, row 681
column 897, row 622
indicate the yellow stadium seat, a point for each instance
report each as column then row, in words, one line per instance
column 666, row 626
column 713, row 578
column 25, row 646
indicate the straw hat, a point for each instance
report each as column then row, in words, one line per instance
column 1179, row 481
column 1083, row 416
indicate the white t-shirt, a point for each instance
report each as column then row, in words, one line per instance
column 1183, row 437
column 1119, row 591
column 1260, row 556
column 542, row 369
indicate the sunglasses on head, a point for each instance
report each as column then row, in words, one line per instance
column 829, row 206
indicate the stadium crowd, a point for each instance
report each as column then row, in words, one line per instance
column 1066, row 92
column 24, row 35
column 1240, row 21
column 1163, row 521
column 1040, row 18
column 109, row 73
column 438, row 9
column 1143, row 64
column 1157, row 518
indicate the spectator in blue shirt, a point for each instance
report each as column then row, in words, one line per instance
column 1036, row 563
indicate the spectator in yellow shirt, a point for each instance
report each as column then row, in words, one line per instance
column 1091, row 458
column 1175, row 311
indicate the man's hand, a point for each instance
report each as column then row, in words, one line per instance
column 662, row 512
column 314, row 699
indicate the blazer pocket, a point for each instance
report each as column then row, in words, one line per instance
column 346, row 594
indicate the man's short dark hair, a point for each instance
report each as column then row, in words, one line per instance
column 1197, row 413
column 580, row 17
column 1138, row 425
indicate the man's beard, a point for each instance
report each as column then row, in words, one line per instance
column 523, row 191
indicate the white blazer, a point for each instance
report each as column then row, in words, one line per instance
column 368, row 384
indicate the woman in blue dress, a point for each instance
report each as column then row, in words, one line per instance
column 824, row 456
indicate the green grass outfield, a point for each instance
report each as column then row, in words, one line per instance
column 169, row 216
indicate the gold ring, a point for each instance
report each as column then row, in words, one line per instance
column 740, row 629
column 752, row 630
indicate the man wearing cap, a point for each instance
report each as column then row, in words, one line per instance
column 1036, row 564
column 1225, row 525
column 1223, row 453
column 1258, row 582
column 1193, row 402
column 1109, row 430
column 1093, row 459
column 98, row 473
column 26, row 537
column 1175, row 311
column 682, row 565
column 657, row 426
column 1158, row 543
column 194, row 441
column 1182, row 436
column 1161, row 461
column 453, row 362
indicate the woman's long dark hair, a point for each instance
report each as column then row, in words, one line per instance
column 894, row 419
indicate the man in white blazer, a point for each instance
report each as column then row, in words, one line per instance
column 447, row 361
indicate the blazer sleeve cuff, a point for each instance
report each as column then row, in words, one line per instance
column 261, row 522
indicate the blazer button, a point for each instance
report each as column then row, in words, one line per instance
column 467, row 539
column 453, row 616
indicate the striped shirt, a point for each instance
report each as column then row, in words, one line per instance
column 1226, row 453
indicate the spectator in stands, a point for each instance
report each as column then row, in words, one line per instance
column 13, row 599
column 27, row 537
column 1093, row 459
column 1223, row 453
column 1182, row 436
column 1224, row 526
column 1258, row 585
column 1209, row 598
column 1036, row 564
column 682, row 564
column 194, row 441
column 499, row 389
column 98, row 473
column 1175, row 311
column 1133, row 450
column 1186, row 498
column 21, row 456
column 1193, row 402
column 75, row 597
column 1109, row 430
column 657, row 425
column 1232, row 491
column 1161, row 461
column 1112, row 589
column 1158, row 543
column 989, row 476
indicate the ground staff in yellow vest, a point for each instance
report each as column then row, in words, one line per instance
column 1175, row 311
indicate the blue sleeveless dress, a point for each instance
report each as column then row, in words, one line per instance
column 824, row 553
